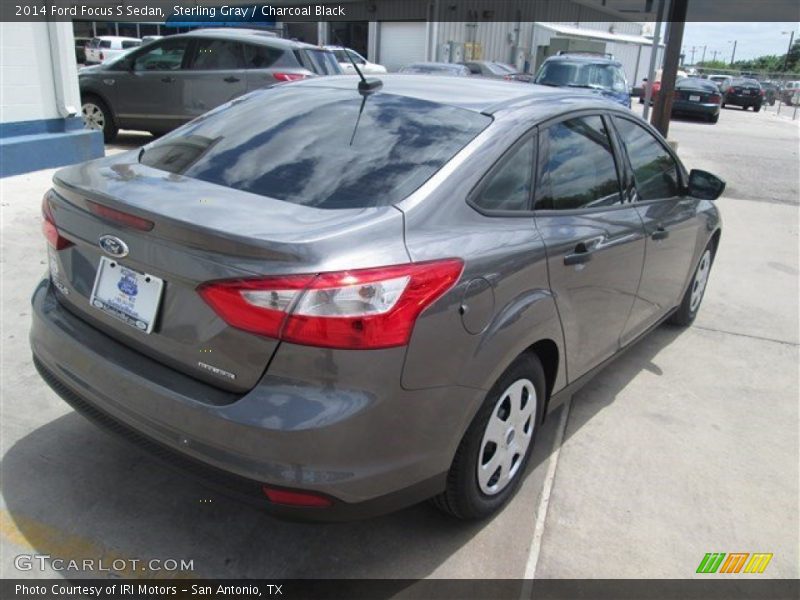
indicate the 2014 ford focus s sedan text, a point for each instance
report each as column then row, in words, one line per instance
column 349, row 299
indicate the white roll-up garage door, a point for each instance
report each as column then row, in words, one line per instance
column 400, row 43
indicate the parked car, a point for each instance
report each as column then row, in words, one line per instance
column 107, row 47
column 496, row 70
column 722, row 81
column 593, row 71
column 436, row 68
column 170, row 81
column 788, row 92
column 656, row 88
column 80, row 49
column 697, row 98
column 324, row 291
column 367, row 68
column 771, row 91
column 746, row 93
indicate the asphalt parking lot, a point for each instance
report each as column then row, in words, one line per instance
column 687, row 444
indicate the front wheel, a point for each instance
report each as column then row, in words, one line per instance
column 690, row 304
column 491, row 459
column 98, row 117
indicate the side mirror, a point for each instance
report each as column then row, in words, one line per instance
column 704, row 185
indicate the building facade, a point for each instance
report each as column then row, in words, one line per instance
column 40, row 107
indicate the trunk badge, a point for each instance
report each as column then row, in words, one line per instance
column 113, row 246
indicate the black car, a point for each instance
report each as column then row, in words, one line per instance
column 771, row 92
column 697, row 98
column 744, row 93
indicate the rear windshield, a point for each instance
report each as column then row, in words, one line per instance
column 582, row 74
column 308, row 145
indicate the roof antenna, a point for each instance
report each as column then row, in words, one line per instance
column 365, row 86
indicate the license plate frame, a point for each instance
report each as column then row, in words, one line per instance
column 116, row 292
column 694, row 98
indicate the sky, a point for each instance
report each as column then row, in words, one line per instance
column 752, row 39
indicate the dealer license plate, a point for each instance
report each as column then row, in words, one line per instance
column 128, row 295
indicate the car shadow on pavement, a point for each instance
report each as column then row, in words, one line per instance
column 73, row 492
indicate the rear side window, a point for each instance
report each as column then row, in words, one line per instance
column 322, row 147
column 218, row 55
column 321, row 62
column 577, row 168
column 509, row 186
column 260, row 57
column 104, row 44
column 654, row 169
column 130, row 44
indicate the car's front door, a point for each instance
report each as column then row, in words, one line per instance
column 149, row 93
column 670, row 222
column 594, row 238
column 214, row 75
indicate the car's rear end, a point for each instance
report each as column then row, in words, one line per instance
column 745, row 93
column 697, row 98
column 239, row 295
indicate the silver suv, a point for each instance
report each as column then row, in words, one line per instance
column 166, row 83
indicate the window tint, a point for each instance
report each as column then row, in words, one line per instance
column 130, row 44
column 218, row 55
column 104, row 44
column 260, row 57
column 578, row 170
column 509, row 187
column 314, row 149
column 654, row 169
column 162, row 56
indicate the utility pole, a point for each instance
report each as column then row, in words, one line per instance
column 714, row 52
column 788, row 50
column 651, row 71
column 663, row 108
column 733, row 54
column 704, row 54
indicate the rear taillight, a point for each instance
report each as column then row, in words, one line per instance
column 289, row 76
column 296, row 498
column 677, row 95
column 358, row 309
column 715, row 98
column 54, row 238
column 119, row 217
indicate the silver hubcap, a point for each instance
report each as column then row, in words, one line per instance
column 700, row 280
column 93, row 117
column 507, row 437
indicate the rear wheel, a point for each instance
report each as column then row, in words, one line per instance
column 757, row 108
column 714, row 118
column 690, row 304
column 98, row 117
column 494, row 452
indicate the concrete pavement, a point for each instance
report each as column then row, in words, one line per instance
column 688, row 444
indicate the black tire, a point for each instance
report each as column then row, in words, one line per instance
column 723, row 105
column 463, row 497
column 757, row 108
column 109, row 127
column 714, row 119
column 686, row 313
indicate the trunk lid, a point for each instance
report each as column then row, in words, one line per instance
column 201, row 232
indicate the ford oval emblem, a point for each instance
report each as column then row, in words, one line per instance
column 113, row 246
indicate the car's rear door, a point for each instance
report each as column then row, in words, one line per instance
column 594, row 237
column 670, row 223
column 215, row 73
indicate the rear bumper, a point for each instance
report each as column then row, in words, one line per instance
column 743, row 100
column 695, row 108
column 368, row 453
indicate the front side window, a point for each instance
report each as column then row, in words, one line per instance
column 509, row 187
column 320, row 147
column 162, row 56
column 654, row 169
column 218, row 55
column 577, row 168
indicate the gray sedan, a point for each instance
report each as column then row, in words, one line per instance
column 339, row 300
